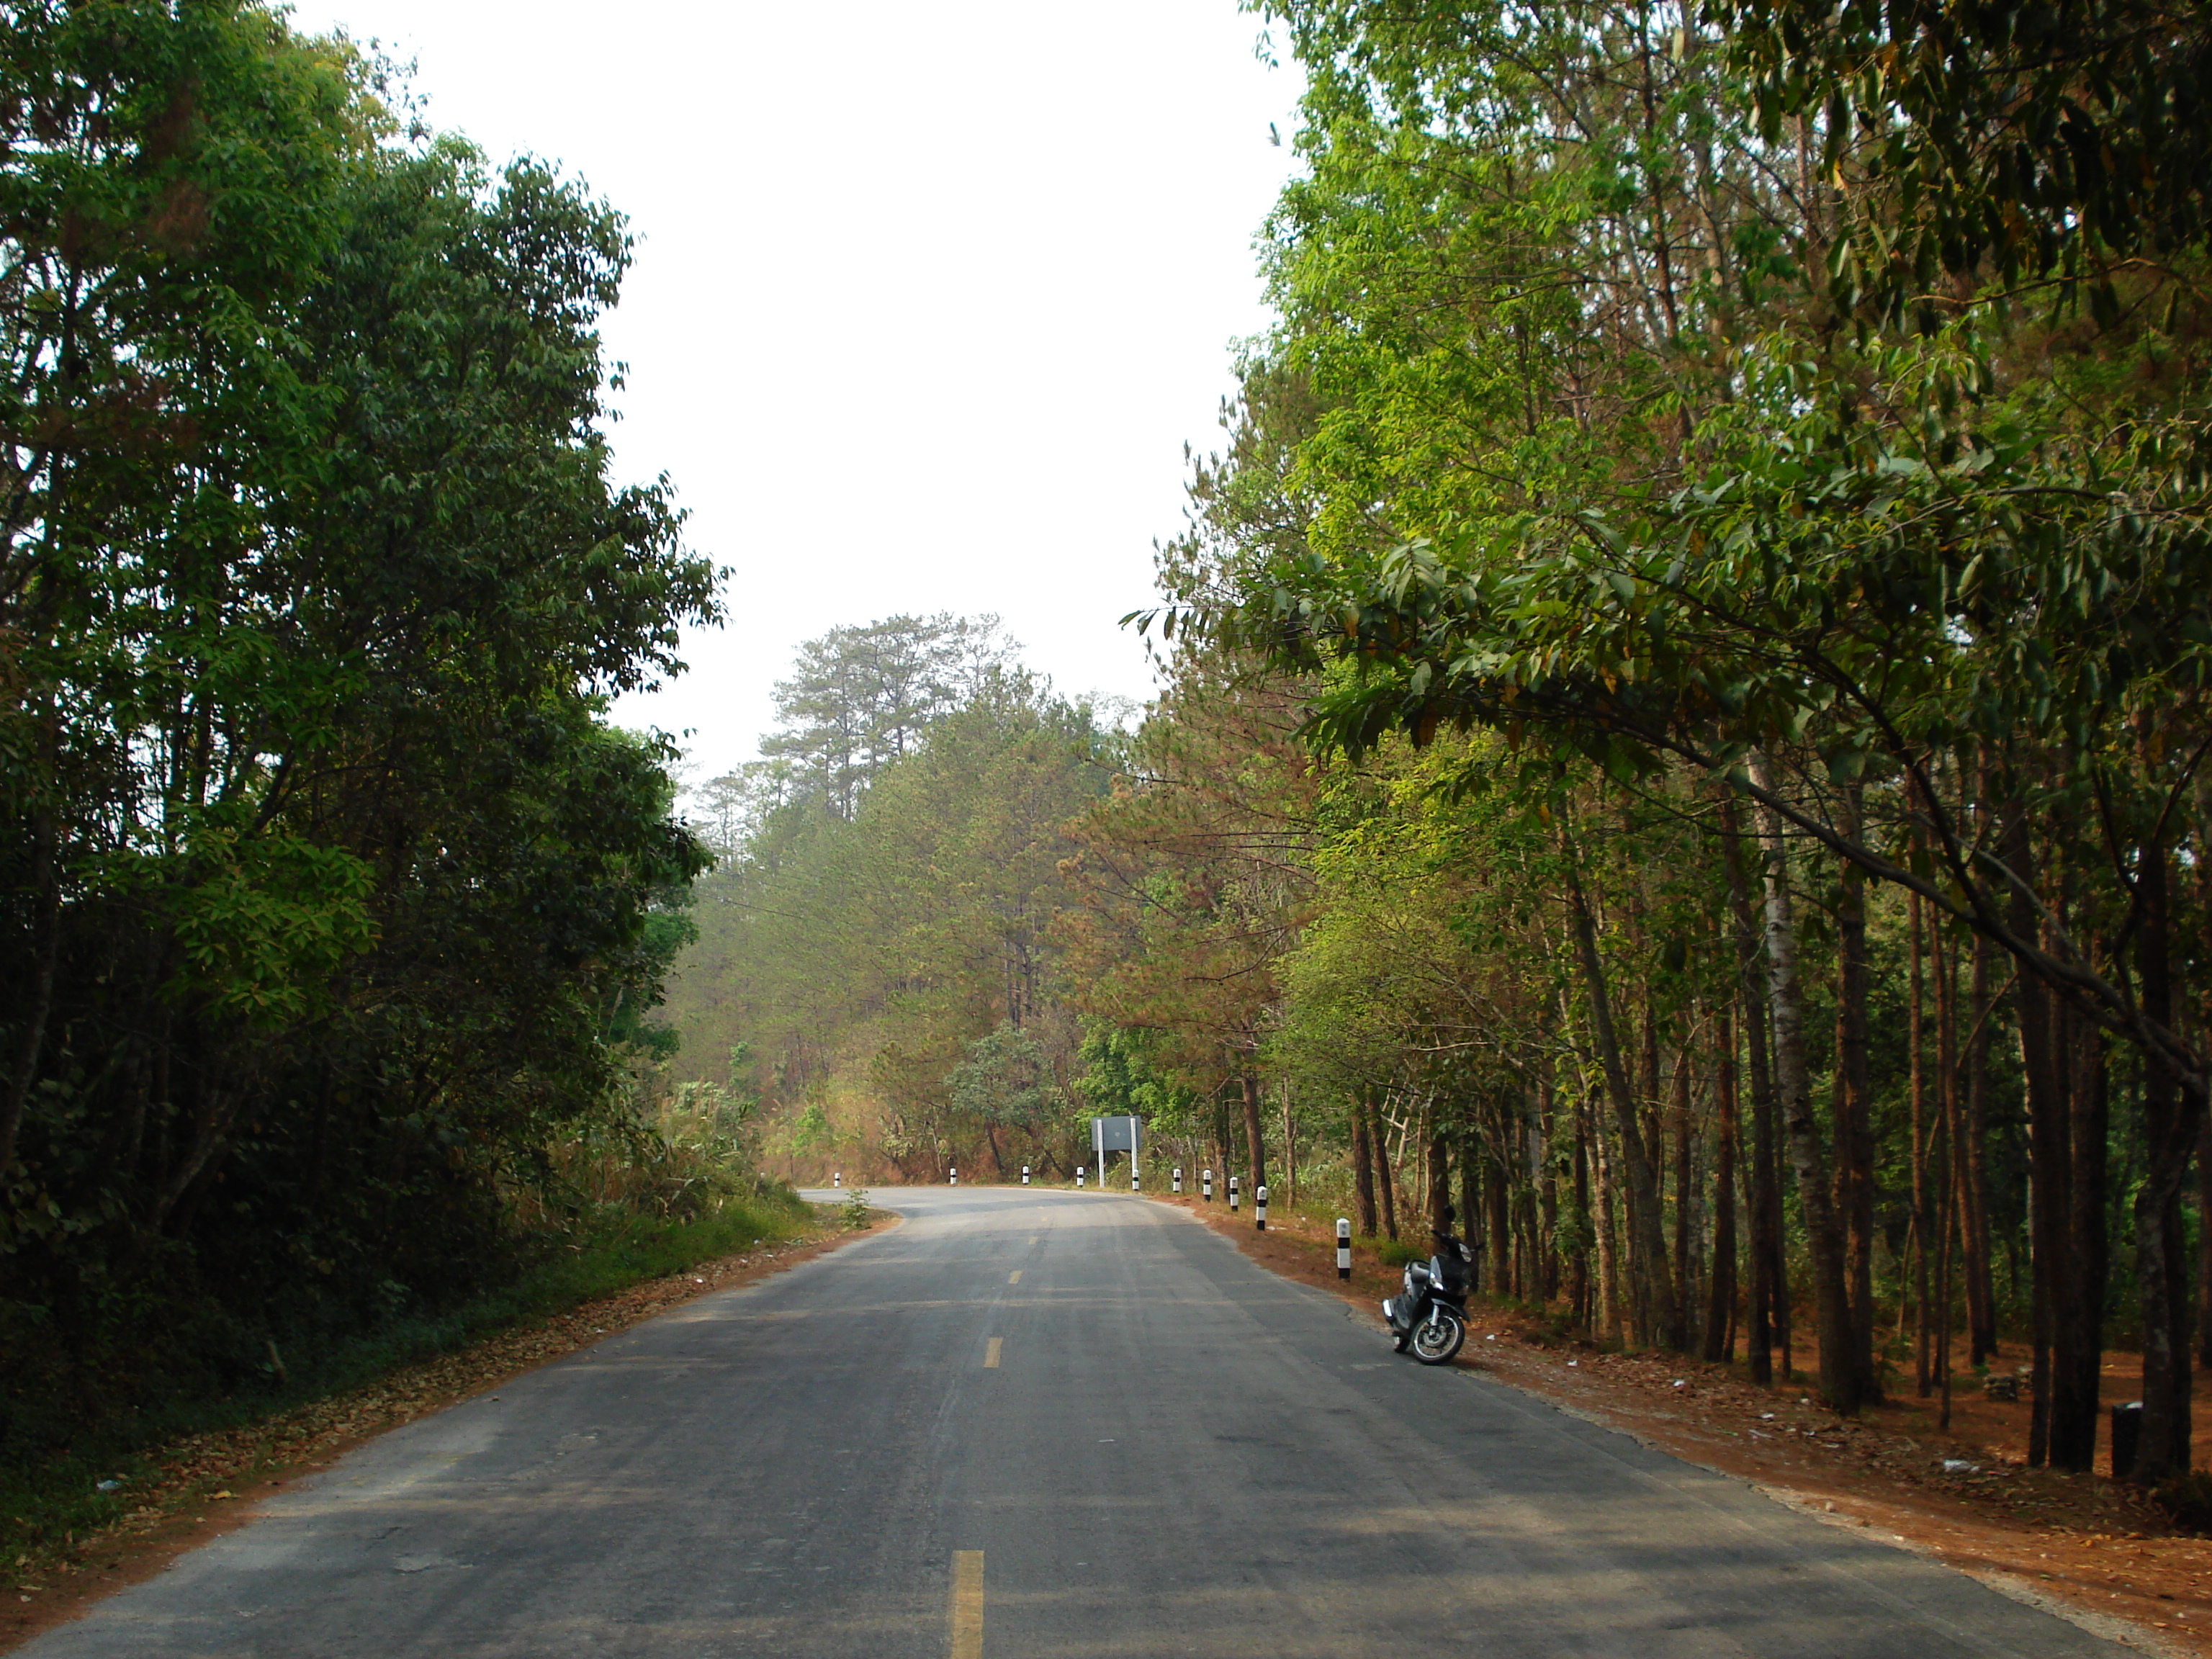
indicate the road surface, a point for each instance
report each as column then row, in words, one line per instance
column 1030, row 1423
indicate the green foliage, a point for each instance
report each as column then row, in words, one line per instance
column 862, row 697
column 1006, row 1078
column 335, row 903
column 882, row 922
column 2024, row 140
column 1120, row 1078
column 1677, row 520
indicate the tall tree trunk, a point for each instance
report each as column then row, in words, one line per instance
column 1363, row 1167
column 1496, row 1220
column 1579, row 1264
column 1977, row 1267
column 1644, row 1312
column 1384, row 1183
column 1225, row 1160
column 1685, row 1204
column 1854, row 1112
column 1440, row 1204
column 1470, row 1197
column 1948, row 1210
column 1608, row 1257
column 2049, row 1197
column 2173, row 1112
column 34, row 994
column 1547, row 1189
column 2204, row 1246
column 1942, row 956
column 1769, row 1288
column 1720, row 1308
column 1648, row 1251
column 1527, row 1258
column 1256, row 1142
column 2078, row 1341
column 1843, row 1385
column 1923, row 1227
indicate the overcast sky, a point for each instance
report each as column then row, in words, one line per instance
column 927, row 299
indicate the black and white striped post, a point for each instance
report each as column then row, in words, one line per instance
column 1259, row 1216
column 1026, row 1175
column 1232, row 1195
column 1343, row 1248
column 1133, row 1176
column 952, row 1177
column 1207, row 1180
column 1178, row 1179
column 837, row 1178
column 1078, row 1178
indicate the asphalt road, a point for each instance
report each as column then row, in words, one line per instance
column 1031, row 1423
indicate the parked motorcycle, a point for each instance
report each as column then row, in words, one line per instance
column 1429, row 1315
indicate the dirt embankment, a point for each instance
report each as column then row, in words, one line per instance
column 209, row 1483
column 1966, row 1497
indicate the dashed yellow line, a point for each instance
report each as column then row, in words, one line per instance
column 991, row 1358
column 1015, row 1277
column 968, row 1598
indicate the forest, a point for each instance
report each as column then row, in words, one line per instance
column 332, row 900
column 1682, row 725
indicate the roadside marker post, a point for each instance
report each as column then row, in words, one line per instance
column 1208, row 1176
column 1026, row 1175
column 1260, row 1219
column 1178, row 1179
column 1078, row 1178
column 1343, row 1248
column 955, row 1175
column 1133, row 1179
column 836, row 1177
column 1232, row 1195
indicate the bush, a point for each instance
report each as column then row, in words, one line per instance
column 2188, row 1499
column 50, row 1470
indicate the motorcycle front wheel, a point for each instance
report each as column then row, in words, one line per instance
column 1435, row 1340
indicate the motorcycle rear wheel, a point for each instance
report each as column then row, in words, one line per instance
column 1435, row 1340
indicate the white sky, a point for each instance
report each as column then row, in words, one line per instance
column 927, row 301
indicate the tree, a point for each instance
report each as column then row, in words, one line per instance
column 861, row 697
column 868, row 950
column 335, row 896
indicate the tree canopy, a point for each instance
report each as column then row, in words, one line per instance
column 330, row 894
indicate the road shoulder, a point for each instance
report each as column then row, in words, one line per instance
column 212, row 1483
column 2083, row 1548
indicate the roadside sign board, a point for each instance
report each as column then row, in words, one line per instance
column 1114, row 1134
column 1117, row 1134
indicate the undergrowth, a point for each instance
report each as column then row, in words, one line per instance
column 50, row 1495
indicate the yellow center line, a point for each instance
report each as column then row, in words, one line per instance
column 991, row 1355
column 1015, row 1277
column 967, row 1604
